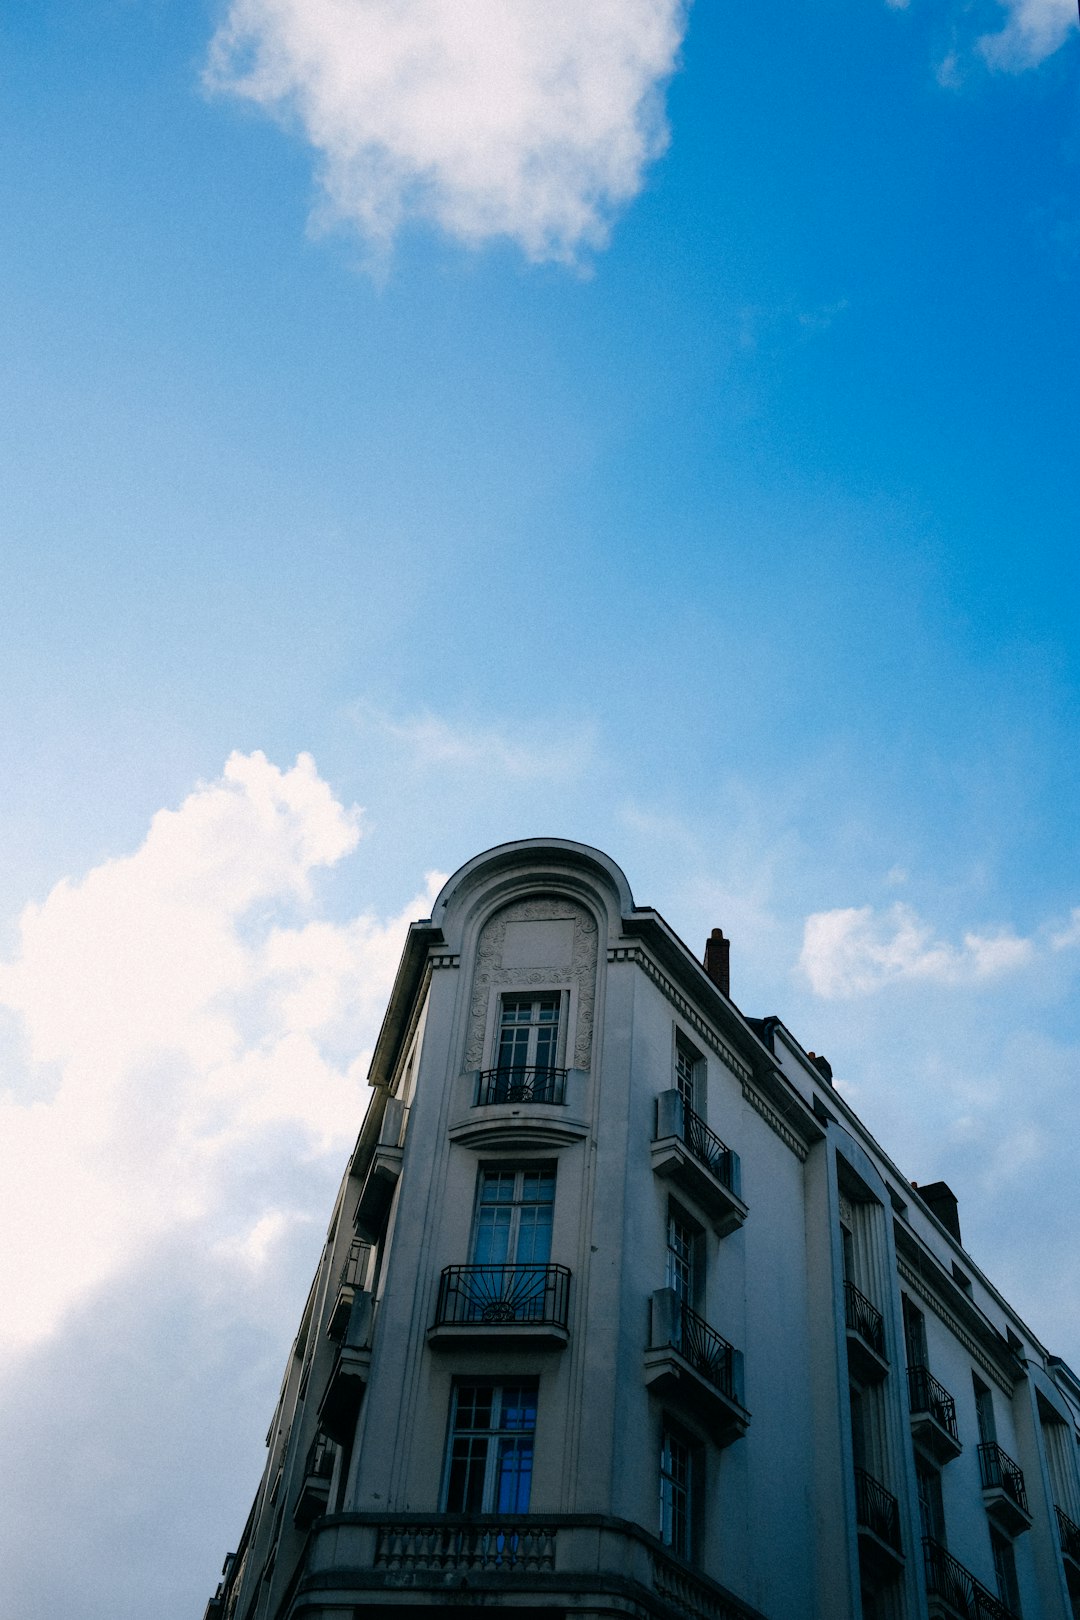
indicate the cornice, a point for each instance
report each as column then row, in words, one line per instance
column 682, row 1004
column 773, row 1120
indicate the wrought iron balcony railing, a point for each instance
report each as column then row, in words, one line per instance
column 506, row 1296
column 863, row 1318
column 925, row 1394
column 519, row 1083
column 707, row 1147
column 957, row 1587
column 876, row 1509
column 708, row 1354
column 999, row 1472
column 1069, row 1533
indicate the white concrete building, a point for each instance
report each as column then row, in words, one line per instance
column 622, row 1312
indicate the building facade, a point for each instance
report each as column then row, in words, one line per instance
column 622, row 1312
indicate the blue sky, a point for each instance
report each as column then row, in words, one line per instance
column 651, row 427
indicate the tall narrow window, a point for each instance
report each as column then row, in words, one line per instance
column 858, row 1427
column 529, row 1032
column 914, row 1334
column 675, row 1502
column 514, row 1210
column 1005, row 1570
column 984, row 1411
column 682, row 1245
column 490, row 1453
column 931, row 1508
column 686, row 1063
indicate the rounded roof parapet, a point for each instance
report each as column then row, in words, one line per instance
column 540, row 858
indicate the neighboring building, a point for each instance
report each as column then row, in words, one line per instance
column 623, row 1312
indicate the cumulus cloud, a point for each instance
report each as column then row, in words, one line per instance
column 181, row 1008
column 532, row 121
column 1034, row 30
column 854, row 951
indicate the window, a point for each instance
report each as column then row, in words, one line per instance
column 675, row 1499
column 490, row 1451
column 931, row 1509
column 682, row 1247
column 858, row 1427
column 686, row 1066
column 1005, row 1570
column 914, row 1334
column 984, row 1411
column 514, row 1210
column 529, row 1032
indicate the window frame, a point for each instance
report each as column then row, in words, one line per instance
column 546, row 1169
column 494, row 1435
column 687, row 1255
column 688, row 1072
column 678, row 1530
column 985, row 1416
column 930, row 1501
column 1004, row 1556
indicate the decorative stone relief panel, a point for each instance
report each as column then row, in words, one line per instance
column 545, row 940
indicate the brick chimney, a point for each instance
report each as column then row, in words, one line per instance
column 717, row 960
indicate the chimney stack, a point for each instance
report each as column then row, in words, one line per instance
column 942, row 1200
column 717, row 960
column 822, row 1065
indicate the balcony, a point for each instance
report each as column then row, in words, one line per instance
column 953, row 1593
column 520, row 1084
column 877, row 1516
column 1069, row 1536
column 350, row 1284
column 691, row 1156
column 933, row 1416
column 340, row 1404
column 689, row 1364
column 510, row 1303
column 865, row 1337
column 373, row 1206
column 315, row 1483
column 1003, row 1489
column 557, row 1563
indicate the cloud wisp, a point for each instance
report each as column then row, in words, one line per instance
column 1034, row 30
column 533, row 122
column 184, row 1012
column 430, row 740
column 854, row 951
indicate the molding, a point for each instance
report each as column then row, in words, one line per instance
column 926, row 1292
column 579, row 974
column 448, row 959
column 502, row 1125
column 774, row 1122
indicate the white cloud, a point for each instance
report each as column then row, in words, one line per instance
column 1068, row 936
column 1034, row 30
column 854, row 951
column 181, row 1011
column 532, row 120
